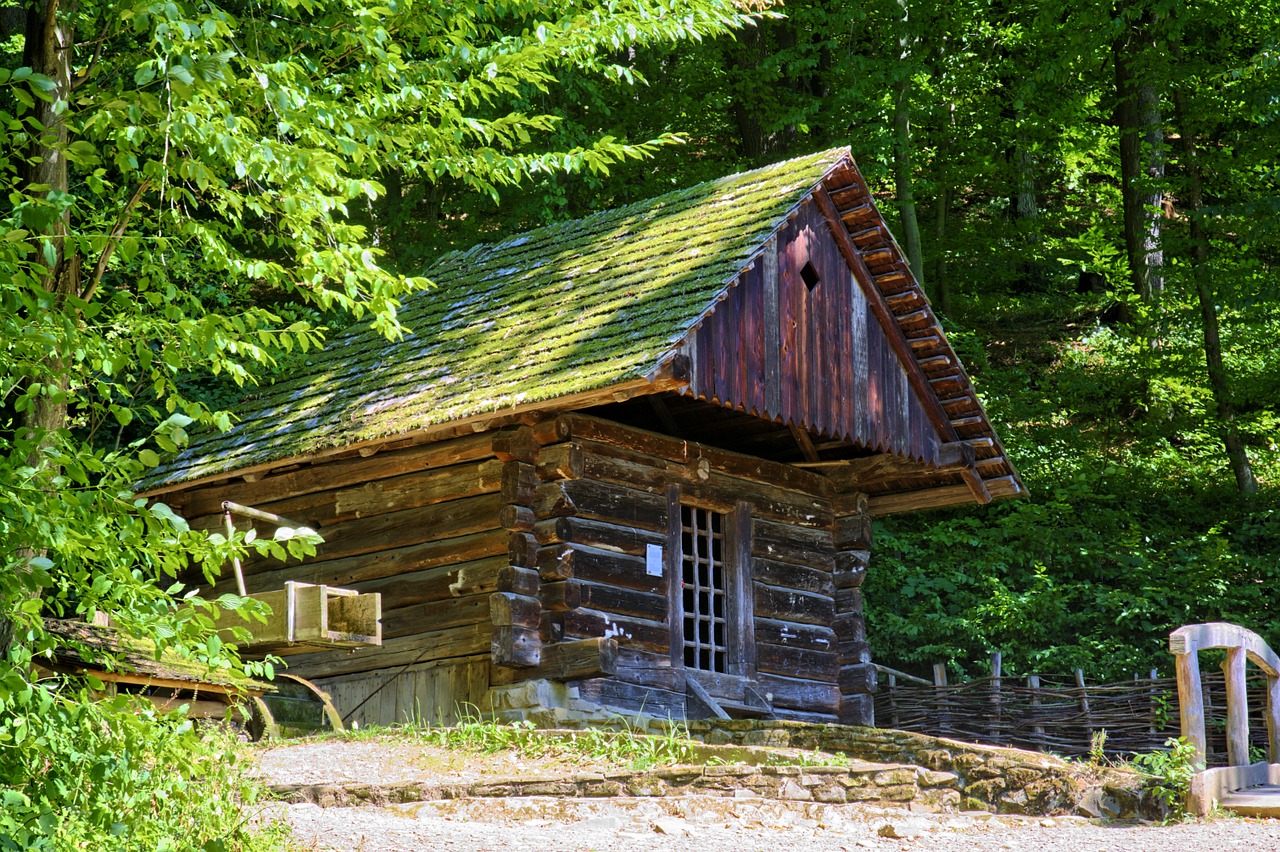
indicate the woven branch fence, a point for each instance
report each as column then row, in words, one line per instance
column 1061, row 714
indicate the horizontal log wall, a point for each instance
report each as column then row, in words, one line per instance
column 601, row 504
column 422, row 527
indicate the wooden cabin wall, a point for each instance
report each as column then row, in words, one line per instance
column 420, row 525
column 816, row 357
column 601, row 499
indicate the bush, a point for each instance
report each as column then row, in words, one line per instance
column 116, row 774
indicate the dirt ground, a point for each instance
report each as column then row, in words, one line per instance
column 702, row 823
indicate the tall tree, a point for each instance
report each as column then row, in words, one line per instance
column 1138, row 118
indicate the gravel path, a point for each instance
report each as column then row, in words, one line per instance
column 728, row 825
column 702, row 823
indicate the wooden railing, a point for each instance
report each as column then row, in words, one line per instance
column 1209, row 786
column 1186, row 643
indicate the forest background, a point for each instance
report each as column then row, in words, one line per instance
column 1089, row 193
column 199, row 194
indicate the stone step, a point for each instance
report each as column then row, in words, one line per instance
column 1260, row 801
column 859, row 781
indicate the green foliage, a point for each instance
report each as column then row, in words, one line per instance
column 626, row 746
column 183, row 220
column 115, row 774
column 1170, row 772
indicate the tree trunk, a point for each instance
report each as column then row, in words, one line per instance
column 1238, row 456
column 902, row 177
column 940, row 286
column 1141, row 163
column 49, row 44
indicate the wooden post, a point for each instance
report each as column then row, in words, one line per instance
column 893, row 701
column 1084, row 702
column 996, row 709
column 1191, row 702
column 1033, row 684
column 939, row 684
column 1273, row 719
column 1237, row 708
column 1152, row 709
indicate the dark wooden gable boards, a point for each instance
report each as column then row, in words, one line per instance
column 796, row 340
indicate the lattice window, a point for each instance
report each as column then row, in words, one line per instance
column 705, row 589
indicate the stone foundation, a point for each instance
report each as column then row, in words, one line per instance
column 990, row 778
column 1002, row 780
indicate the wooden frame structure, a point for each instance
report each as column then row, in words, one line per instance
column 1209, row 786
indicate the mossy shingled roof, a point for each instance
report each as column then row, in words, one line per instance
column 567, row 308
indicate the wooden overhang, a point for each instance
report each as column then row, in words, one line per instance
column 667, row 299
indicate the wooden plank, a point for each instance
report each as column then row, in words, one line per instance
column 586, row 658
column 571, row 594
column 461, row 641
column 618, row 538
column 771, row 336
column 792, row 605
column 816, row 637
column 1233, row 670
column 851, row 568
column 798, row 694
column 519, row 481
column 564, row 561
column 753, row 331
column 586, row 498
column 508, row 609
column 515, row 443
column 797, row 662
column 644, row 634
column 394, row 530
column 437, row 615
column 523, row 581
column 519, row 647
column 1191, row 703
column 443, row 582
column 322, row 509
column 273, row 488
column 355, row 572
column 791, row 576
column 700, row 481
column 788, row 543
column 733, row 464
column 924, row 498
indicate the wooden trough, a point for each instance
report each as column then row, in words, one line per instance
column 306, row 616
column 285, row 706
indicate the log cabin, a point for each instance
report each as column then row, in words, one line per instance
column 637, row 454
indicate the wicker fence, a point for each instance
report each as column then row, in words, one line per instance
column 1063, row 715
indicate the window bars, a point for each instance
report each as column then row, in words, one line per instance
column 705, row 589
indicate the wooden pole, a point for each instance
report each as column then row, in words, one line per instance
column 996, row 709
column 1191, row 703
column 893, row 704
column 1084, row 701
column 1152, row 709
column 235, row 560
column 939, row 683
column 1033, row 684
column 1273, row 719
column 1237, row 708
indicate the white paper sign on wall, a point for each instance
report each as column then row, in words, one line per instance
column 653, row 560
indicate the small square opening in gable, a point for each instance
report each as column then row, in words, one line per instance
column 810, row 275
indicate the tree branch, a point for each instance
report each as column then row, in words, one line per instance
column 121, row 223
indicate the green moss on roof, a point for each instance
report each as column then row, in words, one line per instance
column 570, row 307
